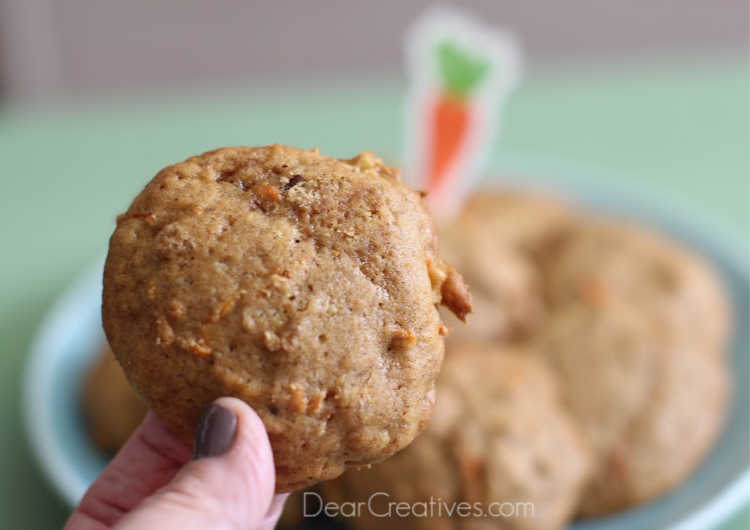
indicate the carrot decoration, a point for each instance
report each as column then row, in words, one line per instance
column 460, row 72
column 452, row 111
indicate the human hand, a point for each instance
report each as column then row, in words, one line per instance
column 155, row 480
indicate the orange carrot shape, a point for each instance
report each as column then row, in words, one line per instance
column 460, row 73
column 452, row 112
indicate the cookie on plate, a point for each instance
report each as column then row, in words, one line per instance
column 637, row 336
column 527, row 221
column 497, row 242
column 505, row 289
column 607, row 260
column 669, row 438
column 110, row 405
column 499, row 440
column 606, row 363
column 304, row 285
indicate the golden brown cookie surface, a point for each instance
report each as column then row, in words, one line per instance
column 499, row 435
column 606, row 364
column 525, row 220
column 670, row 436
column 497, row 242
column 603, row 262
column 637, row 336
column 304, row 285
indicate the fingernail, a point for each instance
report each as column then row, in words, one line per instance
column 216, row 432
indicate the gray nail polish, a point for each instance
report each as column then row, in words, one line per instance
column 216, row 432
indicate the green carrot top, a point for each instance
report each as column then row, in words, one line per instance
column 460, row 73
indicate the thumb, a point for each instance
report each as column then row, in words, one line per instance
column 228, row 484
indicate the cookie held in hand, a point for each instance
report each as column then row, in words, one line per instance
column 304, row 285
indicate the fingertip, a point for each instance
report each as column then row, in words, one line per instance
column 251, row 447
column 250, row 428
column 246, row 416
column 231, row 478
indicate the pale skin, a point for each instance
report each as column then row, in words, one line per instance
column 154, row 482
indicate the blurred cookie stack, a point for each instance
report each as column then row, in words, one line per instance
column 111, row 407
column 591, row 376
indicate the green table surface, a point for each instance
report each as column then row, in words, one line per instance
column 677, row 130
